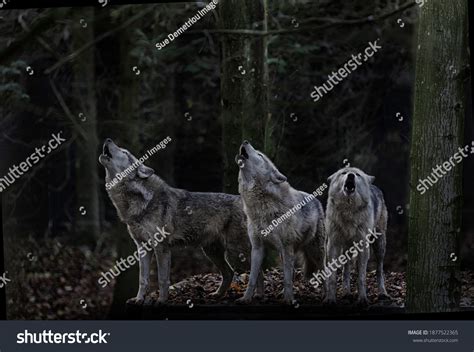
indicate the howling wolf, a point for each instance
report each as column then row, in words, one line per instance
column 212, row 221
column 297, row 218
column 355, row 209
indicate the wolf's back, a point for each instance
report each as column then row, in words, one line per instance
column 234, row 231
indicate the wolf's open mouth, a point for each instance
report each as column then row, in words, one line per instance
column 106, row 152
column 349, row 186
column 243, row 152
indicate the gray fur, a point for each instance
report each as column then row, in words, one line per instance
column 353, row 209
column 267, row 195
column 212, row 221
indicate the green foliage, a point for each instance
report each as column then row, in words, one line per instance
column 12, row 91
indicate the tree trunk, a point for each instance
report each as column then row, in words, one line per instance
column 3, row 296
column 127, row 131
column 437, row 133
column 87, row 185
column 244, row 84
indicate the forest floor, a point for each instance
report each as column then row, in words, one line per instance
column 197, row 289
column 50, row 280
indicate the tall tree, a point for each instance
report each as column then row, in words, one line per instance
column 87, row 185
column 437, row 133
column 244, row 82
column 3, row 297
column 127, row 130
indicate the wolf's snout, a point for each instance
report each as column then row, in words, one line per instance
column 106, row 149
column 349, row 185
column 243, row 151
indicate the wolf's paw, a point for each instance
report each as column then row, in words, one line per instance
column 289, row 300
column 384, row 297
column 244, row 300
column 135, row 300
column 160, row 303
column 329, row 301
column 362, row 302
column 348, row 297
column 217, row 295
column 148, row 301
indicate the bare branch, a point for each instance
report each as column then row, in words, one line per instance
column 38, row 37
column 330, row 23
column 39, row 26
column 101, row 37
column 66, row 110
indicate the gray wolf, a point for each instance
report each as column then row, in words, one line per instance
column 266, row 196
column 355, row 208
column 212, row 221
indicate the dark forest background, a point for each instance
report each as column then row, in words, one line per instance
column 85, row 83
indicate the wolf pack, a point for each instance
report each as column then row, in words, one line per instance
column 218, row 223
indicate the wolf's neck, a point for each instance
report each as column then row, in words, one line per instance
column 158, row 183
column 131, row 199
column 349, row 205
column 259, row 194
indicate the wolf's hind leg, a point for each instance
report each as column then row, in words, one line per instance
column 315, row 256
column 379, row 251
column 288, row 256
column 333, row 251
column 216, row 253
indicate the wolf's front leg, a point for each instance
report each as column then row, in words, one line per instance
column 346, row 280
column 260, row 285
column 163, row 259
column 144, row 278
column 258, row 253
column 362, row 261
column 288, row 256
column 379, row 251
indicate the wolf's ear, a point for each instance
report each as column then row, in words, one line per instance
column 371, row 179
column 277, row 177
column 145, row 171
column 330, row 178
